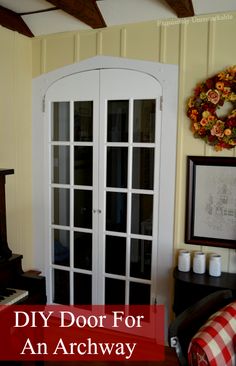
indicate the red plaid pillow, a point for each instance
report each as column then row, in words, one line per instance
column 197, row 356
column 213, row 345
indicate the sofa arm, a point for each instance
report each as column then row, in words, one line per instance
column 214, row 342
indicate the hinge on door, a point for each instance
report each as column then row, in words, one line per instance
column 43, row 104
column 161, row 102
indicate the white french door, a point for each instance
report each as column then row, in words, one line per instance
column 103, row 188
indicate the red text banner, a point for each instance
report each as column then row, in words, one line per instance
column 87, row 333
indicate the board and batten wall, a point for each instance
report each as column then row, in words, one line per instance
column 201, row 46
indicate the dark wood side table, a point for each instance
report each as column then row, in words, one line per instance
column 190, row 287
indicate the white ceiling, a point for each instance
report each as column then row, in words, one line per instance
column 115, row 12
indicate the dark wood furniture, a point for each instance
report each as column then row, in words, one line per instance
column 190, row 287
column 5, row 251
column 11, row 272
column 13, row 276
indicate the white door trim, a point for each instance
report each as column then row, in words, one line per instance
column 167, row 75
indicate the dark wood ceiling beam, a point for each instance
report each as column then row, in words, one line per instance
column 11, row 20
column 183, row 8
column 86, row 11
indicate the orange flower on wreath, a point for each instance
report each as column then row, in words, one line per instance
column 194, row 114
column 220, row 85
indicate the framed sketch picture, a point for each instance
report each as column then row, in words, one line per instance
column 211, row 201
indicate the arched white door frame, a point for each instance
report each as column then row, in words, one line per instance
column 167, row 76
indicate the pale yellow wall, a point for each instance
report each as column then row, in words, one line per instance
column 15, row 138
column 200, row 46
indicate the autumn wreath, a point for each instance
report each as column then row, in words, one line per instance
column 209, row 96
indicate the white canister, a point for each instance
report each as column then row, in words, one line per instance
column 215, row 265
column 184, row 261
column 199, row 262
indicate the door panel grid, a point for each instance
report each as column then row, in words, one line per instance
column 130, row 282
column 106, row 248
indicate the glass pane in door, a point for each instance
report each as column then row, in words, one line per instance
column 117, row 165
column 115, row 255
column 83, row 121
column 61, row 164
column 141, row 214
column 139, row 293
column 118, row 120
column 61, row 286
column 144, row 120
column 60, row 121
column 61, row 206
column 143, row 168
column 83, row 208
column 140, row 258
column 114, row 291
column 61, row 247
column 116, row 211
column 82, row 289
column 83, row 165
column 83, row 250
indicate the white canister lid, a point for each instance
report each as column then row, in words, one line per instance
column 215, row 256
column 199, row 254
column 184, row 252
